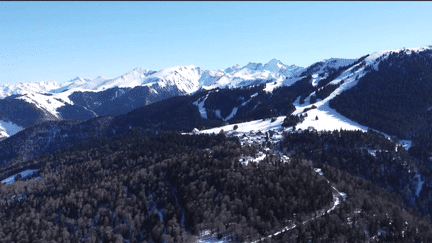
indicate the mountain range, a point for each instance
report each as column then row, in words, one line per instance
column 80, row 99
column 26, row 104
column 366, row 122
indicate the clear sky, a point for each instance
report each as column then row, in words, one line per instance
column 61, row 40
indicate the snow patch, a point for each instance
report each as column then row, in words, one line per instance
column 246, row 102
column 231, row 115
column 24, row 174
column 260, row 157
column 319, row 171
column 9, row 128
column 420, row 183
column 406, row 144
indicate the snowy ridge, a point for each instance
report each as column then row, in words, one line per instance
column 253, row 74
column 336, row 63
column 73, row 83
column 49, row 96
column 24, row 88
column 373, row 59
column 188, row 79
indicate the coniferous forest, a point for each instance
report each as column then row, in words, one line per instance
column 394, row 97
column 169, row 187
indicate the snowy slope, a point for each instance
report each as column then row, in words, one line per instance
column 8, row 129
column 185, row 78
column 46, row 103
column 328, row 118
column 318, row 71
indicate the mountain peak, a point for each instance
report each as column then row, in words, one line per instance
column 232, row 69
column 253, row 66
column 274, row 60
column 139, row 69
column 78, row 78
column 274, row 65
column 381, row 53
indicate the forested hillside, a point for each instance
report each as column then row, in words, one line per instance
column 393, row 98
column 158, row 188
column 172, row 188
column 370, row 156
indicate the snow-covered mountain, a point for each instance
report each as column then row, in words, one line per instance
column 188, row 79
column 23, row 88
column 269, row 119
column 305, row 92
column 81, row 98
column 84, row 98
column 251, row 74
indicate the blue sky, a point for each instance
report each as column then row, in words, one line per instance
column 61, row 40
